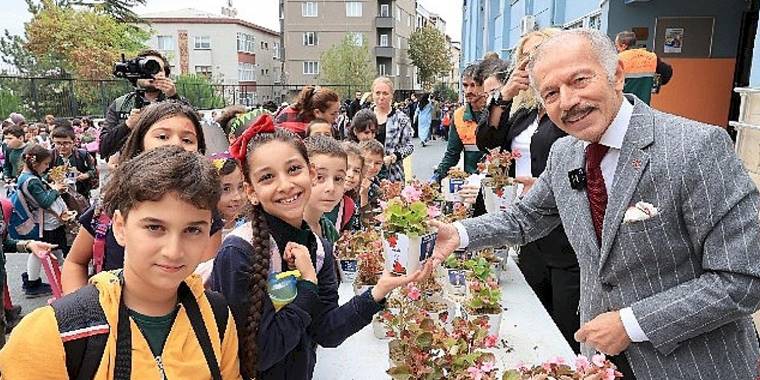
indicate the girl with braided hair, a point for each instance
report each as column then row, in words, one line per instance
column 281, row 343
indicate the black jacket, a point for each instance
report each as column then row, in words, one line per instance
column 115, row 132
column 555, row 249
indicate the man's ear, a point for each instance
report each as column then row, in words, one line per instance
column 250, row 193
column 619, row 76
column 119, row 224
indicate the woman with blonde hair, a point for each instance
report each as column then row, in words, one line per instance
column 516, row 121
column 394, row 130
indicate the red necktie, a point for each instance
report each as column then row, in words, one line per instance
column 595, row 189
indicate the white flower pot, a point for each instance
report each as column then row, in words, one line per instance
column 378, row 328
column 495, row 203
column 450, row 189
column 494, row 321
column 348, row 269
column 405, row 254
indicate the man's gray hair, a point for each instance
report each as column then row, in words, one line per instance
column 602, row 48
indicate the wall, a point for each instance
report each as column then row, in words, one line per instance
column 754, row 79
column 701, row 87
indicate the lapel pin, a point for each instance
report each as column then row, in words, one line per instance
column 636, row 164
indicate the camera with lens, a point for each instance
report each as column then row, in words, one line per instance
column 137, row 68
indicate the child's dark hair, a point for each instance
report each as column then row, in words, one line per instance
column 153, row 174
column 34, row 154
column 63, row 133
column 363, row 120
column 228, row 114
column 371, row 147
column 14, row 130
column 316, row 121
column 154, row 113
column 313, row 98
column 224, row 163
column 260, row 257
column 323, row 145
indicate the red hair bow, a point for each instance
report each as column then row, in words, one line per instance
column 262, row 124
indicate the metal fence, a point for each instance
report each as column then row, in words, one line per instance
column 36, row 97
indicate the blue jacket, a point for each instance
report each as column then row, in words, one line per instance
column 287, row 339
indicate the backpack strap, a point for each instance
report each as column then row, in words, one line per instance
column 220, row 310
column 199, row 327
column 84, row 331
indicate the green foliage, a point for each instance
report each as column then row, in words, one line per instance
column 199, row 91
column 348, row 64
column 445, row 92
column 9, row 102
column 429, row 51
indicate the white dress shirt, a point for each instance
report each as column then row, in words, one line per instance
column 521, row 143
column 613, row 138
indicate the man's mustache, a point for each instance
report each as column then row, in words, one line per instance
column 576, row 111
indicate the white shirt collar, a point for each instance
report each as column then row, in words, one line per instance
column 615, row 133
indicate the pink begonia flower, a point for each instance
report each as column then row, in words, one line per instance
column 475, row 373
column 609, row 374
column 433, row 212
column 491, row 340
column 581, row 363
column 598, row 360
column 411, row 194
column 414, row 293
column 380, row 218
column 557, row 360
column 488, row 367
column 522, row 366
column 383, row 205
column 516, row 153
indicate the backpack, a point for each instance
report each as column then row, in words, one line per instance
column 7, row 208
column 84, row 331
column 24, row 224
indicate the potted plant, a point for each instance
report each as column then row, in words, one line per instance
column 350, row 245
column 499, row 189
column 452, row 183
column 407, row 239
column 370, row 268
column 495, row 263
column 598, row 368
column 484, row 301
column 456, row 272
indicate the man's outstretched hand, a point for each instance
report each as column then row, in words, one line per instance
column 446, row 242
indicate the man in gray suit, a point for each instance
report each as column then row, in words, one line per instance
column 668, row 285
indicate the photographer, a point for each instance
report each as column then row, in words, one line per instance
column 123, row 113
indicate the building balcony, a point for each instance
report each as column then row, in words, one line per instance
column 384, row 51
column 384, row 22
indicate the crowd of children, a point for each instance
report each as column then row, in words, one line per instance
column 170, row 223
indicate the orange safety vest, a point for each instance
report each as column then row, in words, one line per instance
column 465, row 128
column 638, row 61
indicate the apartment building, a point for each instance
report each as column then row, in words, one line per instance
column 230, row 51
column 309, row 28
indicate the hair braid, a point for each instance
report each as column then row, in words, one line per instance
column 257, row 290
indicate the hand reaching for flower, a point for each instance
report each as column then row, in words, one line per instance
column 388, row 282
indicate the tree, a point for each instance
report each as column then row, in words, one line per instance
column 429, row 51
column 199, row 91
column 445, row 92
column 348, row 63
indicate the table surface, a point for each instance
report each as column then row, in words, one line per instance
column 526, row 326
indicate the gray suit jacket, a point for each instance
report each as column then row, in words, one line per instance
column 691, row 274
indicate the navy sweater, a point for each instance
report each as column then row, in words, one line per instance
column 287, row 339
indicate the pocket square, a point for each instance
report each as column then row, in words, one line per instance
column 640, row 212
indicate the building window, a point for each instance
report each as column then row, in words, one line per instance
column 246, row 72
column 575, row 25
column 309, row 39
column 353, row 9
column 311, row 68
column 165, row 43
column 595, row 21
column 245, row 42
column 276, row 48
column 357, row 38
column 385, row 10
column 384, row 40
column 202, row 42
column 203, row 70
column 381, row 69
column 310, row 9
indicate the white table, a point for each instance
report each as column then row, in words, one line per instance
column 526, row 326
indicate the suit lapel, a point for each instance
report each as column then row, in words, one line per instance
column 633, row 160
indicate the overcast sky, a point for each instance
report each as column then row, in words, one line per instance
column 262, row 12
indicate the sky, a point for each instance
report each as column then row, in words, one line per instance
column 261, row 12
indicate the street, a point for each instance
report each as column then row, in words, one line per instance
column 423, row 162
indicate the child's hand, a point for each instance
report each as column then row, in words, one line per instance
column 40, row 249
column 297, row 256
column 388, row 282
column 469, row 193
